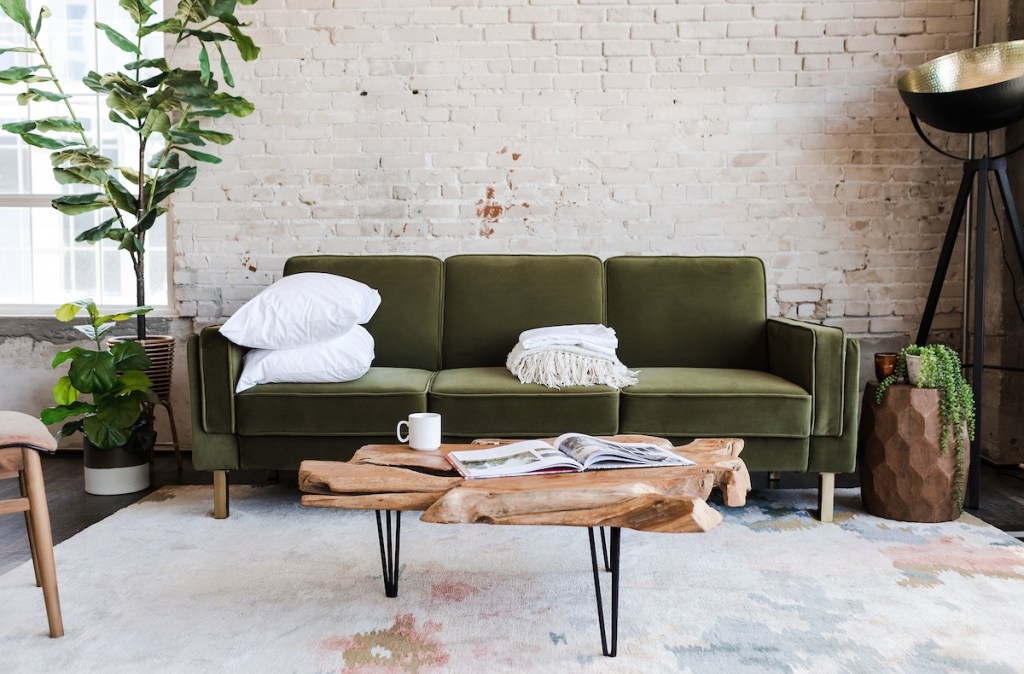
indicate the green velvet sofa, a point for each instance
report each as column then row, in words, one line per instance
column 712, row 364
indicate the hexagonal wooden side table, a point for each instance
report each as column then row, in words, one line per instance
column 904, row 475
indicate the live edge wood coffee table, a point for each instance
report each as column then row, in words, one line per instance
column 393, row 478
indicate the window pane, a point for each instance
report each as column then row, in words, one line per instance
column 15, row 255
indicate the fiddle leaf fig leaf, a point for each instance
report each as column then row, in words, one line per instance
column 225, row 69
column 16, row 74
column 233, row 105
column 41, row 95
column 248, row 50
column 172, row 25
column 204, row 65
column 118, row 40
column 140, row 10
column 48, row 143
column 64, row 393
column 201, row 156
column 93, row 371
column 17, row 10
column 97, row 233
column 75, row 204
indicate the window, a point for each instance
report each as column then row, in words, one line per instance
column 42, row 265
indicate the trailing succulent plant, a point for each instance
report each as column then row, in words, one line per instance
column 941, row 369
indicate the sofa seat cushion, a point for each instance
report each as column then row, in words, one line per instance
column 370, row 405
column 490, row 402
column 709, row 402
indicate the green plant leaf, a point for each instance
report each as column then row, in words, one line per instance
column 44, row 13
column 140, row 10
column 135, row 380
column 111, row 425
column 122, row 197
column 246, row 47
column 97, row 233
column 172, row 25
column 65, row 355
column 63, row 392
column 67, row 311
column 158, row 160
column 223, row 8
column 19, row 127
column 49, row 143
column 88, row 158
column 233, row 105
column 80, row 176
column 92, row 80
column 93, row 371
column 201, row 156
column 17, row 10
column 118, row 40
column 148, row 220
column 129, row 354
column 75, row 204
column 158, row 63
column 225, row 69
column 131, row 243
column 157, row 121
column 207, row 35
column 191, row 10
column 204, row 64
column 247, row 2
column 189, row 84
column 172, row 182
column 28, row 50
column 40, row 95
column 217, row 137
column 16, row 74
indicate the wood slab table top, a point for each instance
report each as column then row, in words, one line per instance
column 669, row 499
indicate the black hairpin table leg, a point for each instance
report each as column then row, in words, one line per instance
column 389, row 550
column 611, row 563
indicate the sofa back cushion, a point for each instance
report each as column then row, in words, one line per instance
column 490, row 299
column 688, row 311
column 407, row 327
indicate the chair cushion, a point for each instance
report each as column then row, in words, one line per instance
column 370, row 405
column 709, row 402
column 490, row 402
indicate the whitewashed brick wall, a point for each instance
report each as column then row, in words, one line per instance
column 603, row 126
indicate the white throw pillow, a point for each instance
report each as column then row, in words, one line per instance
column 342, row 359
column 302, row 309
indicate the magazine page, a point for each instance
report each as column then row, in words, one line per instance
column 519, row 458
column 594, row 452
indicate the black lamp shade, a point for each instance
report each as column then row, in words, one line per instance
column 969, row 91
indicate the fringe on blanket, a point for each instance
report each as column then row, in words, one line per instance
column 557, row 366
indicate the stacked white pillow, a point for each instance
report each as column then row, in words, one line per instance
column 305, row 328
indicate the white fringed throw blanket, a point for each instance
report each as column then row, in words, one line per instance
column 569, row 355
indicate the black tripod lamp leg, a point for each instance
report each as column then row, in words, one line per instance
column 959, row 208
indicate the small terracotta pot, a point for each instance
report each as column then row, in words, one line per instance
column 885, row 365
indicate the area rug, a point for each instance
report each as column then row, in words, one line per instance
column 162, row 587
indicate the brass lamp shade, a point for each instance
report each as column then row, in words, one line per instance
column 968, row 91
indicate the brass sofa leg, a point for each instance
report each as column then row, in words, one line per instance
column 220, row 494
column 826, row 496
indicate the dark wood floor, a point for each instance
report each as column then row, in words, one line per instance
column 72, row 510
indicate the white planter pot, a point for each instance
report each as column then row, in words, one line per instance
column 913, row 369
column 111, row 481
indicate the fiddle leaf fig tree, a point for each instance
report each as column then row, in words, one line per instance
column 167, row 108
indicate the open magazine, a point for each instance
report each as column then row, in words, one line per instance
column 570, row 452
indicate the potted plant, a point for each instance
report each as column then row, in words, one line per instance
column 107, row 396
column 937, row 366
column 167, row 109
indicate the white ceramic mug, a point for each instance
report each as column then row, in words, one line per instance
column 424, row 430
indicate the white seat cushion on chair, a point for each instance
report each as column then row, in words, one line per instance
column 19, row 429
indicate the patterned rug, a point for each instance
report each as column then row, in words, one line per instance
column 162, row 587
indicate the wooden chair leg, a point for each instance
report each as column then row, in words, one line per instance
column 221, row 504
column 34, row 551
column 174, row 431
column 826, row 496
column 39, row 518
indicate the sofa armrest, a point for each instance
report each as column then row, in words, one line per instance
column 814, row 357
column 220, row 365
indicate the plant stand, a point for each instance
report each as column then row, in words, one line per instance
column 904, row 475
column 160, row 349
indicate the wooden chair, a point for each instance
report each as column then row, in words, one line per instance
column 21, row 438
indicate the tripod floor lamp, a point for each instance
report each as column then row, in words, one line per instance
column 977, row 90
